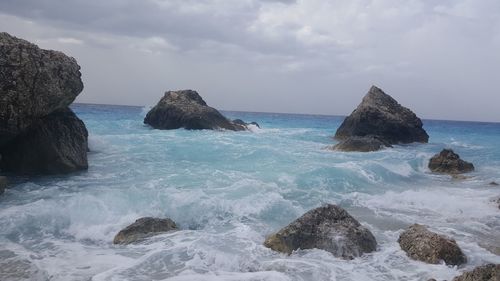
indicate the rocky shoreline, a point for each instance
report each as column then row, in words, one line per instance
column 41, row 135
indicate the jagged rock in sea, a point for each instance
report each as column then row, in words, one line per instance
column 381, row 116
column 421, row 244
column 330, row 228
column 3, row 184
column 56, row 143
column 187, row 109
column 38, row 132
column 361, row 144
column 489, row 272
column 143, row 228
column 449, row 162
column 33, row 83
column 243, row 123
column 493, row 183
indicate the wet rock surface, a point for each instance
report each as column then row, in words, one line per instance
column 329, row 228
column 421, row 244
column 382, row 116
column 448, row 162
column 187, row 109
column 143, row 228
column 55, row 144
column 361, row 144
column 489, row 272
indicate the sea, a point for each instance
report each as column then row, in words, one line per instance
column 227, row 191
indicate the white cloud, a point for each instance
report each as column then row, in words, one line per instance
column 418, row 50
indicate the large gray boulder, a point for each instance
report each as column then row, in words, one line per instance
column 489, row 272
column 449, row 162
column 187, row 109
column 39, row 134
column 143, row 228
column 382, row 116
column 329, row 228
column 421, row 244
column 33, row 83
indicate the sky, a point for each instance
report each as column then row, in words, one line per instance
column 439, row 58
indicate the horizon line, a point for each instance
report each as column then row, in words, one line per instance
column 292, row 113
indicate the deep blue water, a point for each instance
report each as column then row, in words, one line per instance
column 229, row 190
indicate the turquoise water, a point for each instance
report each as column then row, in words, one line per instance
column 229, row 190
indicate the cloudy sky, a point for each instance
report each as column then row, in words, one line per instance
column 440, row 58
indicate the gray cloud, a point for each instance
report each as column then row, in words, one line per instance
column 315, row 56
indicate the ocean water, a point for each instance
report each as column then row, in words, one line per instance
column 228, row 190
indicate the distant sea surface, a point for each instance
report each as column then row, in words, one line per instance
column 228, row 190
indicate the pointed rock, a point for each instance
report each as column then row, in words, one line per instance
column 187, row 109
column 329, row 228
column 449, row 162
column 382, row 116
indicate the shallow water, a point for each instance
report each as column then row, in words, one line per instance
column 229, row 190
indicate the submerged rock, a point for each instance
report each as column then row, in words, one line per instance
column 54, row 144
column 243, row 123
column 493, row 183
column 489, row 272
column 143, row 228
column 187, row 109
column 33, row 83
column 382, row 116
column 361, row 144
column 3, row 184
column 421, row 244
column 329, row 228
column 449, row 162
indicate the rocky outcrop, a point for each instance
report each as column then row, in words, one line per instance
column 379, row 115
column 57, row 143
column 143, row 228
column 489, row 272
column 361, row 144
column 3, row 184
column 493, row 183
column 187, row 109
column 243, row 123
column 421, row 244
column 33, row 84
column 39, row 134
column 329, row 228
column 449, row 162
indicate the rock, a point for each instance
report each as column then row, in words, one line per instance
column 361, row 144
column 3, row 184
column 143, row 228
column 493, row 183
column 489, row 272
column 329, row 228
column 33, row 83
column 243, row 123
column 421, row 244
column 380, row 115
column 186, row 109
column 53, row 144
column 450, row 163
